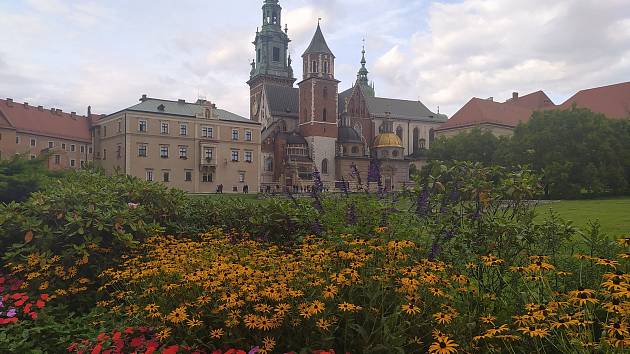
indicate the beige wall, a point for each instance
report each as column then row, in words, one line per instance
column 64, row 154
column 424, row 129
column 220, row 169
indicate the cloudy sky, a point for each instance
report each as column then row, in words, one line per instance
column 71, row 54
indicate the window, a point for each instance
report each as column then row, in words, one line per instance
column 33, row 157
column 119, row 126
column 142, row 126
column 17, row 139
column 248, row 135
column 324, row 115
column 57, row 159
column 142, row 150
column 422, row 143
column 234, row 134
column 183, row 152
column 118, row 151
column 164, row 128
column 234, row 189
column 325, row 93
column 150, row 175
column 269, row 164
column 399, row 132
column 82, row 149
column 183, row 129
column 72, row 163
column 241, row 177
column 188, row 175
column 314, row 66
column 248, row 156
column 73, row 147
column 325, row 166
column 104, row 154
column 206, row 132
column 104, row 130
column 355, row 150
column 63, row 146
column 206, row 177
column 325, row 67
column 164, row 151
column 234, row 156
column 33, row 142
column 90, row 150
column 207, row 153
column 166, row 176
column 82, row 163
column 276, row 54
column 395, row 153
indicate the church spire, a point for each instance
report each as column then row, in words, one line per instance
column 362, row 76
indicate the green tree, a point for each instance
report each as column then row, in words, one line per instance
column 19, row 177
column 476, row 146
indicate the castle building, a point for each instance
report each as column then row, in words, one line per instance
column 315, row 127
column 34, row 131
column 193, row 146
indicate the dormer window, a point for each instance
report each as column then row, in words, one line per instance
column 161, row 108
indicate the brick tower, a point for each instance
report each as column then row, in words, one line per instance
column 318, row 104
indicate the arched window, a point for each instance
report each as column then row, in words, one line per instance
column 274, row 18
column 325, row 166
column 314, row 66
column 399, row 132
column 355, row 150
column 416, row 137
column 325, row 93
column 324, row 115
column 269, row 164
column 325, row 67
column 305, row 114
column 422, row 144
column 431, row 136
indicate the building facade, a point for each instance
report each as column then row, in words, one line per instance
column 34, row 131
column 195, row 147
column 315, row 127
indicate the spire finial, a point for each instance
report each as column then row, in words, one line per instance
column 318, row 20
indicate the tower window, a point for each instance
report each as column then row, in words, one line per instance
column 258, row 56
column 324, row 115
column 276, row 54
column 325, row 166
column 325, row 92
column 325, row 67
column 274, row 18
column 314, row 66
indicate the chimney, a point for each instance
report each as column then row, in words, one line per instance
column 73, row 114
column 214, row 106
column 181, row 101
column 491, row 99
column 10, row 102
column 514, row 96
column 89, row 113
column 26, row 105
column 58, row 111
column 143, row 98
column 52, row 110
column 41, row 108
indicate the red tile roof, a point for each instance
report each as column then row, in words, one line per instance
column 535, row 101
column 612, row 100
column 479, row 111
column 48, row 122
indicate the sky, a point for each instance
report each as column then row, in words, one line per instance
column 71, row 54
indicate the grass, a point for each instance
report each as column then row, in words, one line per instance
column 613, row 214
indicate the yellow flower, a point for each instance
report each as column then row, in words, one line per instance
column 380, row 229
column 491, row 260
column 534, row 331
column 323, row 324
column 347, row 307
column 194, row 323
column 151, row 307
column 178, row 315
column 269, row 343
column 217, row 333
column 163, row 334
column 411, row 309
column 329, row 291
column 443, row 318
column 443, row 345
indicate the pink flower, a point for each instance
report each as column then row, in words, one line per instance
column 132, row 205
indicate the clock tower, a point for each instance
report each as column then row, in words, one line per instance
column 272, row 63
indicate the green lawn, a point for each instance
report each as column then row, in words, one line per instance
column 613, row 214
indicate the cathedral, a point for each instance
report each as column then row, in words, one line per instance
column 314, row 127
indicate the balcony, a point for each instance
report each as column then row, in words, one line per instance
column 207, row 161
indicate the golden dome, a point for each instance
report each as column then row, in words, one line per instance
column 387, row 140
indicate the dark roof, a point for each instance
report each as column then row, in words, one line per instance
column 613, row 100
column 292, row 138
column 186, row 109
column 404, row 109
column 318, row 44
column 348, row 135
column 342, row 98
column 283, row 101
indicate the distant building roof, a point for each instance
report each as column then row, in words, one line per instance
column 535, row 101
column 48, row 122
column 348, row 135
column 402, row 109
column 283, row 101
column 480, row 111
column 613, row 100
column 318, row 44
column 183, row 108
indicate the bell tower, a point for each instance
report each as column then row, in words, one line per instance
column 319, row 104
column 272, row 63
